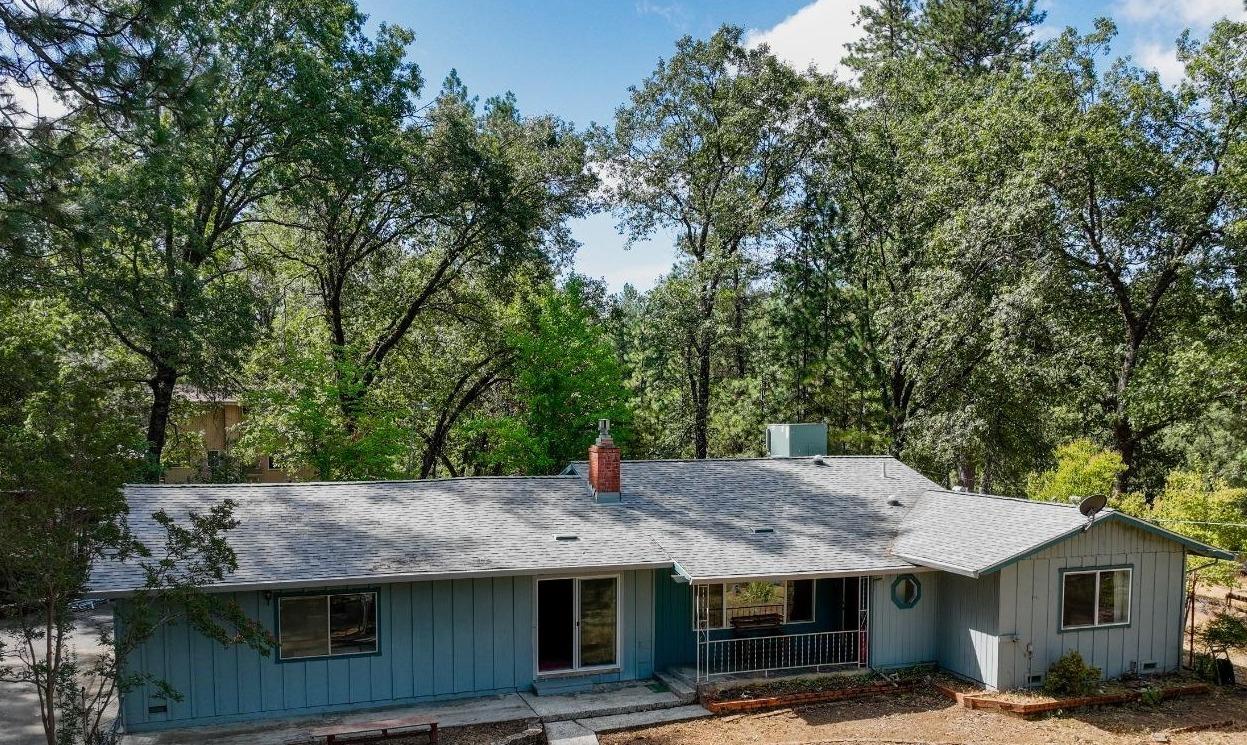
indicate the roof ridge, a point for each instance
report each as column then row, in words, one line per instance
column 440, row 479
column 754, row 458
column 1002, row 497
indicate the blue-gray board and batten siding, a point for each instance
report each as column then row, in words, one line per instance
column 1004, row 629
column 438, row 640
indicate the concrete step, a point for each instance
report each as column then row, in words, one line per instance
column 569, row 733
column 590, row 704
column 643, row 718
column 681, row 686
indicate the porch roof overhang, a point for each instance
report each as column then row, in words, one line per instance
column 822, row 574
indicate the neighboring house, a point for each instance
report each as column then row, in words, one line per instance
column 212, row 430
column 388, row 593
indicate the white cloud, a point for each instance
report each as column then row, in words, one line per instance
column 1190, row 12
column 816, row 35
column 1161, row 58
column 34, row 102
column 675, row 14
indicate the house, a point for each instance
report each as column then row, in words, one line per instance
column 392, row 593
column 201, row 445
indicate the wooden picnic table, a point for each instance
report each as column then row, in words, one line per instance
column 386, row 729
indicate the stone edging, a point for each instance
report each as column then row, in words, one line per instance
column 793, row 699
column 984, row 701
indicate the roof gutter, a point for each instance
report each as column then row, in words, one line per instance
column 940, row 565
column 374, row 579
column 806, row 575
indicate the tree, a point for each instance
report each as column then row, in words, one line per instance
column 397, row 214
column 563, row 377
column 1204, row 509
column 973, row 36
column 166, row 204
column 1142, row 184
column 934, row 268
column 1082, row 470
column 64, row 452
column 709, row 146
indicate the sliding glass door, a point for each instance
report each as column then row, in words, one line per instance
column 577, row 623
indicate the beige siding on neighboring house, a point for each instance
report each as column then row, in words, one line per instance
column 1030, row 606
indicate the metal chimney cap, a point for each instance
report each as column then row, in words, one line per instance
column 604, row 432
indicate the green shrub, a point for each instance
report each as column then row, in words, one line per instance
column 1071, row 676
column 1151, row 696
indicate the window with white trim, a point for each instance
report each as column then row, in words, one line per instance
column 1095, row 597
column 327, row 625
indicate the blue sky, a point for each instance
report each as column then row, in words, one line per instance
column 576, row 59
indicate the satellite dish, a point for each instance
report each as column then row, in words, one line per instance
column 1089, row 506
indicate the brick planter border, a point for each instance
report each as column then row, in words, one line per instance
column 793, row 699
column 984, row 701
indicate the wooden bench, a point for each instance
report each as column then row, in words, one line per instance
column 389, row 729
column 762, row 624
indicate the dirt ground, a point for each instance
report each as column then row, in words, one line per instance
column 924, row 718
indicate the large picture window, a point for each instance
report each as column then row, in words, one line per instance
column 1095, row 597
column 327, row 625
column 791, row 601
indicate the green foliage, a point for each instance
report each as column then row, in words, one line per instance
column 1223, row 634
column 294, row 415
column 1071, row 676
column 1152, row 696
column 563, row 378
column 1082, row 469
column 1203, row 508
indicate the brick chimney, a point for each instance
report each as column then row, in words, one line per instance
column 604, row 465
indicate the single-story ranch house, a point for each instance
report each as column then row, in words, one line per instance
column 393, row 593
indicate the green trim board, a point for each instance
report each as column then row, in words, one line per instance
column 1061, row 628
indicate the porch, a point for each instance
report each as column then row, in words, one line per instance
column 782, row 625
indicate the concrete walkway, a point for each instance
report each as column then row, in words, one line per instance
column 19, row 704
column 588, row 712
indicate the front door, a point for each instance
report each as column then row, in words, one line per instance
column 577, row 623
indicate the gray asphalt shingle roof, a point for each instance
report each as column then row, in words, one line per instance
column 974, row 534
column 826, row 518
column 822, row 516
column 320, row 532
column 968, row 533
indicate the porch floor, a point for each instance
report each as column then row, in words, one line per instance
column 462, row 712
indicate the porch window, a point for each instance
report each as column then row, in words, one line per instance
column 1095, row 597
column 800, row 607
column 790, row 601
column 327, row 625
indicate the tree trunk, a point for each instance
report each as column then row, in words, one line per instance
column 967, row 473
column 162, row 384
column 1127, row 445
column 701, row 402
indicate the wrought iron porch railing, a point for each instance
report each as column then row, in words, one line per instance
column 767, row 653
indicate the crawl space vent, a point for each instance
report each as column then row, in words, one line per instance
column 763, row 531
column 566, row 538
